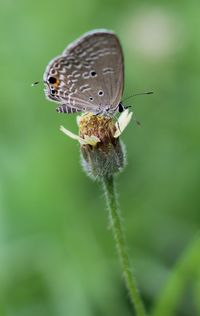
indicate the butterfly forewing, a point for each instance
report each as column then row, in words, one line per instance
column 89, row 74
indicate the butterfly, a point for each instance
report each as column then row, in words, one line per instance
column 88, row 76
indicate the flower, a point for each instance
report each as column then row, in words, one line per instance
column 102, row 151
column 120, row 126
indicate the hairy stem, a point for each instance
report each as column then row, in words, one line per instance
column 116, row 224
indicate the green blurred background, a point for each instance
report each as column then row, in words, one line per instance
column 57, row 253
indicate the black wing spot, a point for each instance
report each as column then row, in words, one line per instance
column 93, row 73
column 52, row 80
column 100, row 93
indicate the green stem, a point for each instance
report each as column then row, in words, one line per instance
column 187, row 268
column 116, row 224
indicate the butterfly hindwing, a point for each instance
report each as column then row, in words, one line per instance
column 89, row 75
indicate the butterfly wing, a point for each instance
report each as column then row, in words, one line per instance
column 89, row 74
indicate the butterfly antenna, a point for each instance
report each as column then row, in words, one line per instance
column 34, row 83
column 136, row 94
column 135, row 119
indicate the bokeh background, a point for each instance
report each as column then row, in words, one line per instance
column 57, row 255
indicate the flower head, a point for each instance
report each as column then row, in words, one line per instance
column 102, row 151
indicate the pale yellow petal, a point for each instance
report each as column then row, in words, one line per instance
column 72, row 135
column 91, row 140
column 87, row 140
column 122, row 122
column 78, row 119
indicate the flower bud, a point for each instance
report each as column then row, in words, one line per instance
column 106, row 156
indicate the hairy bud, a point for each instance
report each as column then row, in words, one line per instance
column 105, row 157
